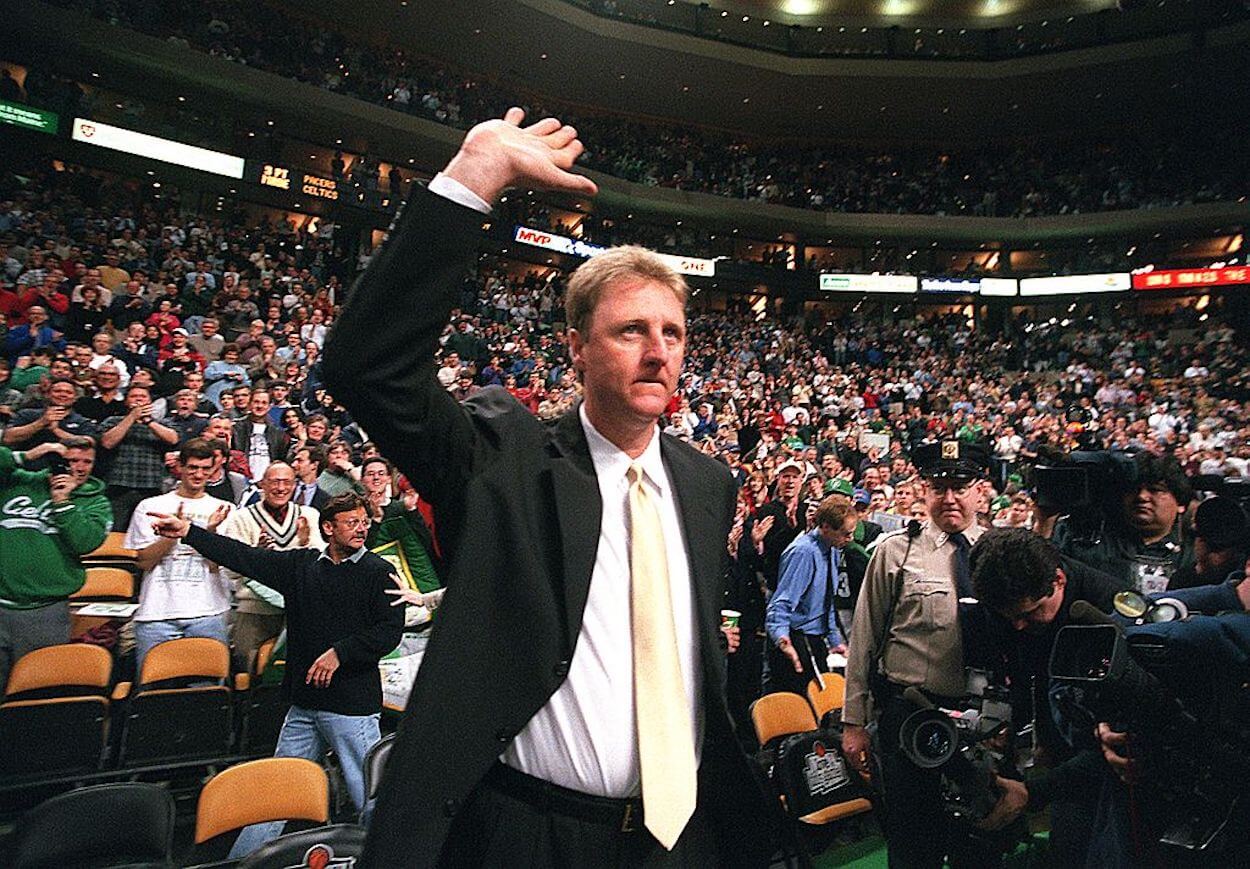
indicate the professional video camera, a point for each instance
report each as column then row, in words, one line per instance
column 1081, row 483
column 955, row 741
column 1236, row 489
column 1175, row 683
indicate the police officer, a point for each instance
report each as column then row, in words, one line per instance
column 1140, row 542
column 906, row 633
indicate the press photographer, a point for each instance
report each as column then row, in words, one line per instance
column 1166, row 681
column 1026, row 589
column 1120, row 513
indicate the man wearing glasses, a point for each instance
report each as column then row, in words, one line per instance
column 907, row 633
column 340, row 622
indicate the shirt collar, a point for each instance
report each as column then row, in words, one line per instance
column 612, row 462
column 353, row 558
column 820, row 540
column 939, row 537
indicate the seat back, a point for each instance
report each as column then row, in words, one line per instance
column 53, row 736
column 270, row 789
column 263, row 653
column 107, row 583
column 335, row 845
column 67, row 669
column 188, row 721
column 827, row 697
column 264, row 708
column 185, row 658
column 114, row 824
column 111, row 549
column 375, row 764
column 779, row 714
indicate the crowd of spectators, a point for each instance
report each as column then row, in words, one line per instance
column 172, row 360
column 1021, row 180
column 134, row 322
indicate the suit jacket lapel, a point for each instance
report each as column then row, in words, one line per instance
column 579, row 510
column 697, row 505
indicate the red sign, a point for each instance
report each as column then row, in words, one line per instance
column 533, row 236
column 1183, row 279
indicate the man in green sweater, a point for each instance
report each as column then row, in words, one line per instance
column 48, row 520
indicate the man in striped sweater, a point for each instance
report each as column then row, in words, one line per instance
column 274, row 522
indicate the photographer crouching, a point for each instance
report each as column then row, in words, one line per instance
column 1144, row 762
column 1026, row 589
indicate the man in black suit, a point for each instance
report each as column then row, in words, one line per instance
column 309, row 462
column 584, row 561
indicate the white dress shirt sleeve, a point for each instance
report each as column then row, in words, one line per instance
column 450, row 188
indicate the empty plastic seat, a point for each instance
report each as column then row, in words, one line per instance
column 183, row 708
column 269, row 789
column 54, row 720
column 120, row 824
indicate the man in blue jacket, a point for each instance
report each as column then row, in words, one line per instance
column 801, row 620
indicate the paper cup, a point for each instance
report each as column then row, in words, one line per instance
column 729, row 618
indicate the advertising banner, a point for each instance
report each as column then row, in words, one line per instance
column 853, row 283
column 156, row 148
column 1065, row 284
column 1183, row 279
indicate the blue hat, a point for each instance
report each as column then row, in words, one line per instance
column 861, row 496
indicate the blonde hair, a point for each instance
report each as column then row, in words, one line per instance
column 615, row 266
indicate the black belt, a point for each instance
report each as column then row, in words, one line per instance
column 623, row 814
column 895, row 691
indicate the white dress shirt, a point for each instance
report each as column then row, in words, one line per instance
column 585, row 738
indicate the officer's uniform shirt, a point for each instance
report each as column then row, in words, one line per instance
column 923, row 646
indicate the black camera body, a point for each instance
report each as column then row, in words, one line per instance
column 1177, row 690
column 953, row 741
column 56, row 464
column 1084, row 481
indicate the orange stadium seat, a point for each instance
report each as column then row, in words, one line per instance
column 182, row 710
column 55, row 716
column 269, row 789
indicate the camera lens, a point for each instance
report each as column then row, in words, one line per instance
column 932, row 743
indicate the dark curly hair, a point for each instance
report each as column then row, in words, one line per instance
column 1154, row 470
column 1011, row 566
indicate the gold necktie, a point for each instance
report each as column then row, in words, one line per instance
column 662, row 711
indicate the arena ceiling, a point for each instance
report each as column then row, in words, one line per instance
column 555, row 49
column 957, row 13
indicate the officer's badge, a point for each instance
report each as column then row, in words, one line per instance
column 950, row 450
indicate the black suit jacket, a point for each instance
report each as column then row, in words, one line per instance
column 518, row 510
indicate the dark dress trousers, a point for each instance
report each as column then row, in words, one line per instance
column 518, row 509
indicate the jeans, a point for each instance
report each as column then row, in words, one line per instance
column 150, row 634
column 308, row 733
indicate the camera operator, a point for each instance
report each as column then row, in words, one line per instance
column 1131, row 815
column 907, row 633
column 1026, row 590
column 1220, row 540
column 1140, row 542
